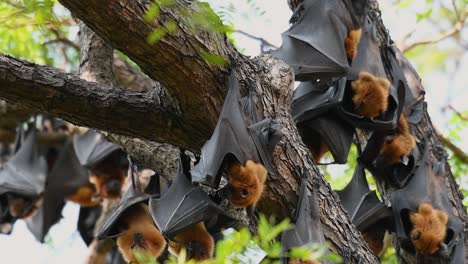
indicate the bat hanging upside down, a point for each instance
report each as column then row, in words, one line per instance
column 23, row 207
column 398, row 145
column 139, row 234
column 196, row 240
column 246, row 183
column 429, row 228
column 370, row 95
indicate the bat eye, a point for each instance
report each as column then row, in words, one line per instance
column 244, row 193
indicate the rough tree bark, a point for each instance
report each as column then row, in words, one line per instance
column 197, row 88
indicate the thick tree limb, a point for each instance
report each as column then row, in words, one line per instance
column 176, row 61
column 67, row 96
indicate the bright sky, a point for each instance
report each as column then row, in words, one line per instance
column 66, row 245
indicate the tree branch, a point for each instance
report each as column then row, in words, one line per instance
column 457, row 152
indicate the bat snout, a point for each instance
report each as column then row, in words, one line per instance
column 138, row 241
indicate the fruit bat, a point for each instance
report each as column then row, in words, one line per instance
column 65, row 178
column 234, row 139
column 371, row 100
column 372, row 217
column 306, row 218
column 106, row 161
column 396, row 174
column 197, row 241
column 329, row 131
column 22, row 178
column 87, row 219
column 139, row 235
column 418, row 205
column 314, row 45
column 184, row 205
column 131, row 197
column 25, row 173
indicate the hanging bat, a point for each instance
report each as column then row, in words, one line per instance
column 320, row 130
column 106, row 161
column 239, row 136
column 373, row 98
column 398, row 146
column 196, row 240
column 184, row 205
column 65, row 179
column 131, row 223
column 372, row 217
column 322, row 38
column 424, row 221
column 139, row 234
column 22, row 179
column 306, row 218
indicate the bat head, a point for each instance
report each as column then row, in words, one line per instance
column 23, row 207
column 140, row 235
column 429, row 228
column 246, row 183
column 370, row 95
column 200, row 249
column 85, row 196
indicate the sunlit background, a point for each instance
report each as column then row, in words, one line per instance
column 442, row 66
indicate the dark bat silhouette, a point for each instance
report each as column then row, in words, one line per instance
column 65, row 178
column 367, row 212
column 306, row 218
column 424, row 221
column 239, row 136
column 322, row 39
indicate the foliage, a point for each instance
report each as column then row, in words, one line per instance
column 240, row 246
column 39, row 31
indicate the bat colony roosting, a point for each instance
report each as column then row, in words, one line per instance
column 350, row 79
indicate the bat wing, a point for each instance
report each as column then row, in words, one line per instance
column 87, row 219
column 362, row 204
column 182, row 206
column 414, row 93
column 426, row 185
column 130, row 198
column 231, row 137
column 25, row 173
column 92, row 147
column 368, row 55
column 311, row 100
column 338, row 135
column 65, row 178
column 314, row 45
column 266, row 134
column 308, row 228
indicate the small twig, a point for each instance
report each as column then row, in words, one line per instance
column 457, row 152
column 64, row 41
column 460, row 114
column 262, row 40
